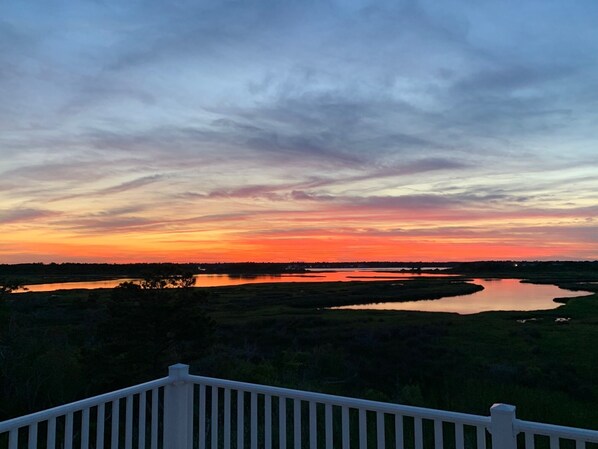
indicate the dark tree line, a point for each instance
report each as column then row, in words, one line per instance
column 149, row 325
column 54, row 351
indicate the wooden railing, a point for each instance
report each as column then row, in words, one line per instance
column 183, row 411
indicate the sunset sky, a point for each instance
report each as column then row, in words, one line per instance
column 298, row 130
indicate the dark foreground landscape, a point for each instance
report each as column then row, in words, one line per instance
column 56, row 347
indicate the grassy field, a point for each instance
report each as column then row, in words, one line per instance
column 56, row 347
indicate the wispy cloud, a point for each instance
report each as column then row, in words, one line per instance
column 24, row 215
column 242, row 119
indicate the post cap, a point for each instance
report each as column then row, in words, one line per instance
column 502, row 409
column 178, row 372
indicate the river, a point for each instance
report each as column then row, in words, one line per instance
column 498, row 294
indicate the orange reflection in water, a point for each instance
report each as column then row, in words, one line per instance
column 500, row 294
column 503, row 294
column 220, row 280
column 85, row 285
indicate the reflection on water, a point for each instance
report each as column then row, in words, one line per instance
column 505, row 294
column 73, row 285
column 500, row 294
column 219, row 280
column 391, row 269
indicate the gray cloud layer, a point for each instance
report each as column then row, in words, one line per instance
column 382, row 104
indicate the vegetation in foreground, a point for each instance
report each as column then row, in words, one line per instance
column 60, row 346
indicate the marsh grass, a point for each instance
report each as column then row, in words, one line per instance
column 283, row 334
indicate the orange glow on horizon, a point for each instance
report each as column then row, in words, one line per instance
column 285, row 231
column 333, row 248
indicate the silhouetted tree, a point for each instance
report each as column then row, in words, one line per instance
column 7, row 287
column 150, row 325
column 38, row 368
column 158, row 281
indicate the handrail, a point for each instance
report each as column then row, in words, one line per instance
column 60, row 410
column 171, row 416
column 572, row 433
column 465, row 418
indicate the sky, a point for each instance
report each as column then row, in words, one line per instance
column 337, row 130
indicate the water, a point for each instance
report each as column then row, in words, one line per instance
column 86, row 285
column 499, row 294
column 220, row 280
column 504, row 294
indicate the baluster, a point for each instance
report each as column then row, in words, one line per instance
column 481, row 437
column 554, row 442
column 253, row 420
column 155, row 411
column 51, row 438
column 313, row 427
column 380, row 428
column 115, row 421
column 459, row 441
column 399, row 438
column 529, row 440
column 297, row 423
column 438, row 437
column 282, row 422
column 68, row 431
column 202, row 416
column 363, row 429
column 268, row 421
column 418, row 434
column 142, row 410
column 85, row 429
column 32, row 436
column 13, row 439
column 345, row 426
column 240, row 419
column 129, row 423
column 101, row 419
column 227, row 418
column 328, row 426
column 214, row 418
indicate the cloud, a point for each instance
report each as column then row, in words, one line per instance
column 174, row 117
column 96, row 225
column 129, row 185
column 24, row 215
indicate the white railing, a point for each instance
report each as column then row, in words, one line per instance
column 182, row 411
column 534, row 432
column 93, row 423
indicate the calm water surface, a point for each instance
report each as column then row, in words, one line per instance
column 219, row 280
column 504, row 294
column 499, row 294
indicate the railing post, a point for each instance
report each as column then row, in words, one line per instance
column 502, row 426
column 178, row 409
